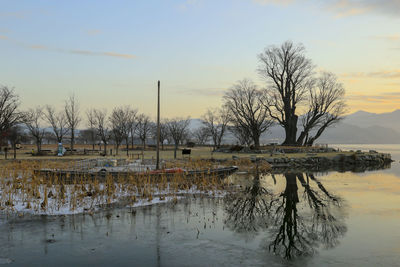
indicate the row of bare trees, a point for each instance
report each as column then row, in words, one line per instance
column 304, row 103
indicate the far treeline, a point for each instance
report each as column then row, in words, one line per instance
column 294, row 94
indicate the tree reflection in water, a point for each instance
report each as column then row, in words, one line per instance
column 298, row 224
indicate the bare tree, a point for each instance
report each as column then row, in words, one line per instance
column 244, row 102
column 241, row 134
column 133, row 126
column 130, row 126
column 201, row 135
column 91, row 118
column 33, row 119
column 144, row 127
column 163, row 133
column 9, row 115
column 326, row 107
column 289, row 76
column 73, row 117
column 102, row 127
column 15, row 135
column 177, row 129
column 216, row 121
column 57, row 121
column 120, row 121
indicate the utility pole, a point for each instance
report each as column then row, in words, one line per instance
column 158, row 128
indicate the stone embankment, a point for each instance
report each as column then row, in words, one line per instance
column 346, row 161
column 341, row 158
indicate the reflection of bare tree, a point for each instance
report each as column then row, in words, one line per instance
column 297, row 226
column 321, row 223
column 248, row 210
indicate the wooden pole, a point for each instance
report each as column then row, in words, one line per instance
column 158, row 128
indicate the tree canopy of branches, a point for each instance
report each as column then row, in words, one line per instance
column 144, row 127
column 120, row 120
column 201, row 135
column 9, row 115
column 244, row 102
column 33, row 120
column 216, row 122
column 289, row 76
column 326, row 106
column 100, row 117
column 15, row 135
column 57, row 121
column 241, row 134
column 91, row 118
column 73, row 117
column 163, row 133
column 177, row 129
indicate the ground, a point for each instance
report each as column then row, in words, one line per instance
column 199, row 152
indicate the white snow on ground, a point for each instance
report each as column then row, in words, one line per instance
column 76, row 199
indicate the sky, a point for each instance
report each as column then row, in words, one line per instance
column 111, row 53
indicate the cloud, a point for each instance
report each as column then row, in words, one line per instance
column 70, row 51
column 92, row 53
column 346, row 8
column 394, row 37
column 385, row 97
column 387, row 74
column 274, row 2
column 188, row 3
column 93, row 32
column 18, row 15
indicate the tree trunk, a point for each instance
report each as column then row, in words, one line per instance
column 72, row 140
column 132, row 139
column 175, row 149
column 38, row 146
column 127, row 146
column 15, row 150
column 105, row 149
column 256, row 140
column 291, row 131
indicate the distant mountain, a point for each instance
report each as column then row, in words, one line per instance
column 360, row 127
column 365, row 119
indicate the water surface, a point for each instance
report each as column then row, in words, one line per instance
column 292, row 219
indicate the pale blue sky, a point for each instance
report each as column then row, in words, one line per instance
column 112, row 52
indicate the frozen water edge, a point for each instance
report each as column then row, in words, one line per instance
column 20, row 205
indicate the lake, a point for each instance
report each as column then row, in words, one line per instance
column 292, row 219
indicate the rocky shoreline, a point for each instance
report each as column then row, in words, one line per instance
column 340, row 161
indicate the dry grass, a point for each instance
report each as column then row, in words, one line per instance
column 23, row 191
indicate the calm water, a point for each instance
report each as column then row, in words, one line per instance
column 295, row 219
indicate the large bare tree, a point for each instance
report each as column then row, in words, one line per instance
column 216, row 122
column 177, row 129
column 326, row 107
column 58, row 122
column 73, row 117
column 289, row 75
column 9, row 115
column 33, row 119
column 247, row 110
